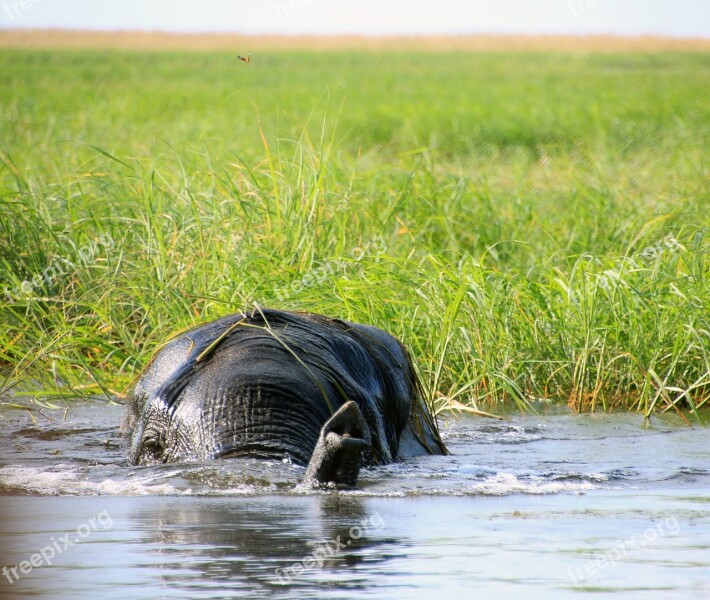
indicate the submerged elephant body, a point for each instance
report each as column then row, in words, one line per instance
column 327, row 393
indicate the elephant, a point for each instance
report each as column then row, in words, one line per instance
column 327, row 394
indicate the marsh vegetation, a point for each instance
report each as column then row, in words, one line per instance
column 531, row 225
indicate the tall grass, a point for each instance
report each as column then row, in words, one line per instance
column 531, row 226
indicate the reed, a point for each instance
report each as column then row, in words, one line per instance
column 532, row 226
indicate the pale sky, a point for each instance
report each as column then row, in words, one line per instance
column 681, row 18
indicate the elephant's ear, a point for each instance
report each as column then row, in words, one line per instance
column 134, row 409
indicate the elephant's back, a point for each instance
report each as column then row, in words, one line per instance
column 274, row 361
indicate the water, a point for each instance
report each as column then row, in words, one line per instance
column 551, row 506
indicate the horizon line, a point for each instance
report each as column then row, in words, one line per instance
column 157, row 39
column 442, row 34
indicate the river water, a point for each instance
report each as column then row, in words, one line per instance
column 549, row 506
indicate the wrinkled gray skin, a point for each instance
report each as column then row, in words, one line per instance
column 329, row 394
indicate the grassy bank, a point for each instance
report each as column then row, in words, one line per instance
column 531, row 225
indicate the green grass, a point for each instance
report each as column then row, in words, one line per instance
column 530, row 225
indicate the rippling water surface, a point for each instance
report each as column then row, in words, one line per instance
column 556, row 505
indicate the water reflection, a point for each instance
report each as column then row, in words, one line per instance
column 263, row 544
